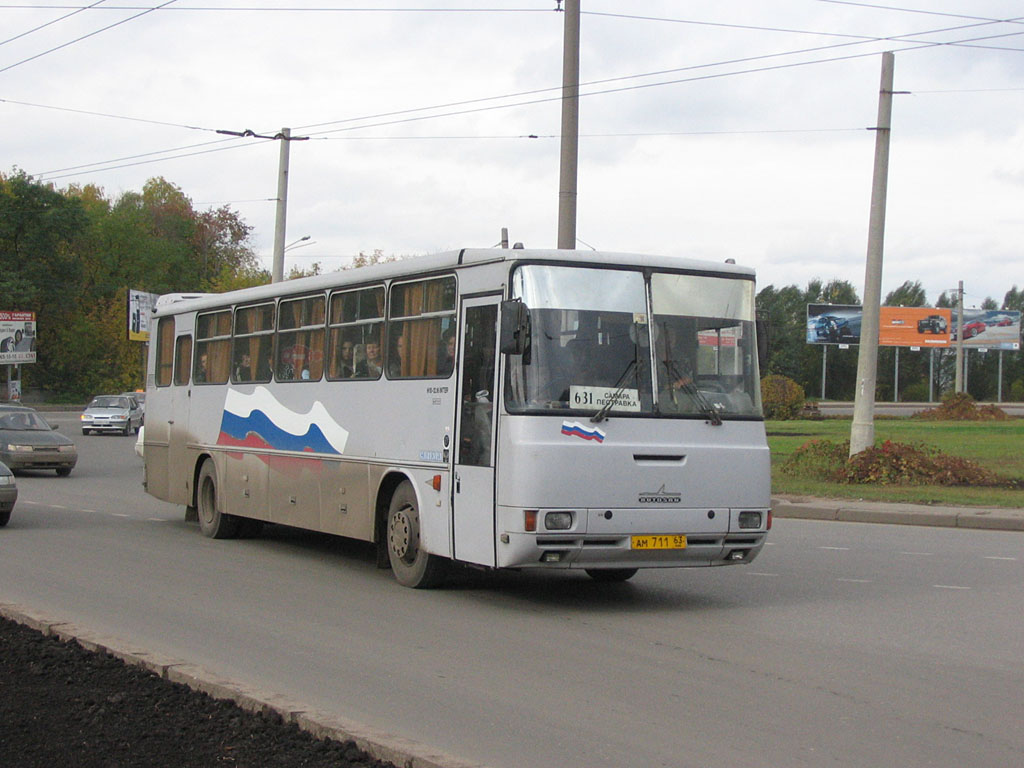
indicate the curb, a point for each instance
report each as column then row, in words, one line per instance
column 402, row 752
column 993, row 519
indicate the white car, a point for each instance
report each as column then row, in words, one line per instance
column 112, row 413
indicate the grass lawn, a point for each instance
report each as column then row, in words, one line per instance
column 995, row 445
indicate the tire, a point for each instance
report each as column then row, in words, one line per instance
column 127, row 428
column 411, row 565
column 86, row 431
column 5, row 517
column 608, row 575
column 212, row 522
column 64, row 471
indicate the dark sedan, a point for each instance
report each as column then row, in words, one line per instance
column 27, row 441
column 8, row 494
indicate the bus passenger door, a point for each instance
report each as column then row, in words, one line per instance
column 473, row 479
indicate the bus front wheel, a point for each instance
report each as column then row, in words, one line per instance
column 212, row 522
column 411, row 565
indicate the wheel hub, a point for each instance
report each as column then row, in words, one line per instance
column 399, row 533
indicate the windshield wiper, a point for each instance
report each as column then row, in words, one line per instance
column 690, row 388
column 620, row 385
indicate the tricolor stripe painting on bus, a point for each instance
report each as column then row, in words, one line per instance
column 258, row 420
column 575, row 429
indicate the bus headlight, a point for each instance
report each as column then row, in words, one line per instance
column 558, row 521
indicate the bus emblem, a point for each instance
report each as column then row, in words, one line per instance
column 660, row 496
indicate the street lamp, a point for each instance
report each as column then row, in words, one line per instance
column 296, row 243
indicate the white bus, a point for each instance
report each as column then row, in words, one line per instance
column 503, row 408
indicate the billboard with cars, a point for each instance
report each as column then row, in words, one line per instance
column 915, row 326
column 17, row 337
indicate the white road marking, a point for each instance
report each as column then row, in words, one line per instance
column 922, row 554
column 836, row 549
column 856, row 581
column 760, row 573
column 997, row 557
column 948, row 586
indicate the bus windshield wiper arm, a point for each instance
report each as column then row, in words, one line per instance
column 690, row 388
column 620, row 385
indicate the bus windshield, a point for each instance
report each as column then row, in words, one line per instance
column 619, row 341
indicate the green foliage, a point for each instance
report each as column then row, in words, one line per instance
column 1017, row 391
column 915, row 393
column 71, row 255
column 962, row 407
column 781, row 397
column 890, row 463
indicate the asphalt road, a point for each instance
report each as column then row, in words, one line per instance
column 844, row 644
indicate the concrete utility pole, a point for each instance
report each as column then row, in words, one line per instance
column 277, row 273
column 862, row 432
column 570, row 126
column 959, row 385
column 285, row 137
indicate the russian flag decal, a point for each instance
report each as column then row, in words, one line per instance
column 575, row 429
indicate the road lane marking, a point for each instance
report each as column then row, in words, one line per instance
column 997, row 557
column 836, row 549
column 921, row 554
column 948, row 586
column 856, row 581
column 760, row 573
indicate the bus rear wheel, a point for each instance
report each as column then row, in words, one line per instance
column 212, row 522
column 411, row 565
column 611, row 574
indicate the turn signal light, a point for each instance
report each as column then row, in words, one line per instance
column 436, row 483
column 530, row 516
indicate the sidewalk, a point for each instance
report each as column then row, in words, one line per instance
column 858, row 511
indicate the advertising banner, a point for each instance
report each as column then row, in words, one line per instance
column 17, row 337
column 989, row 329
column 914, row 327
column 140, row 313
column 833, row 323
column 922, row 327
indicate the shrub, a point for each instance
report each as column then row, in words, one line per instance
column 961, row 407
column 781, row 397
column 890, row 463
column 1017, row 391
column 915, row 393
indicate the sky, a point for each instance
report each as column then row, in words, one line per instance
column 709, row 129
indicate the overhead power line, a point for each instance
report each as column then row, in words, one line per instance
column 84, row 37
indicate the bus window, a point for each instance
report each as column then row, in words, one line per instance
column 357, row 325
column 300, row 339
column 253, row 344
column 213, row 348
column 182, row 359
column 164, row 351
column 421, row 314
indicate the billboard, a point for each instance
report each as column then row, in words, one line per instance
column 17, row 337
column 915, row 326
column 989, row 329
column 140, row 312
column 833, row 323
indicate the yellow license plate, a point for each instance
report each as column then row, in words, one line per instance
column 661, row 541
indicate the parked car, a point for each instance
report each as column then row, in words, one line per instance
column 112, row 413
column 932, row 324
column 8, row 493
column 27, row 441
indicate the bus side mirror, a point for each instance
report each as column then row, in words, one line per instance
column 761, row 331
column 515, row 327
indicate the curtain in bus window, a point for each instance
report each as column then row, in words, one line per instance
column 182, row 359
column 301, row 351
column 213, row 348
column 415, row 346
column 164, row 351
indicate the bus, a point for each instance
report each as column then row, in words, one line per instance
column 496, row 408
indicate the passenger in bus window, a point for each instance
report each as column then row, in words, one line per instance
column 201, row 368
column 397, row 358
column 447, row 364
column 346, row 367
column 372, row 366
column 243, row 371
